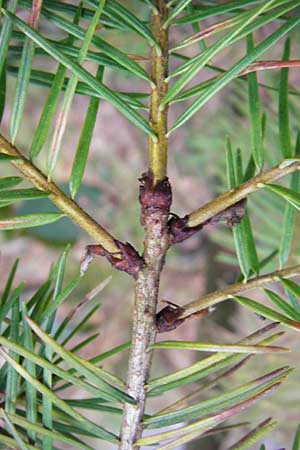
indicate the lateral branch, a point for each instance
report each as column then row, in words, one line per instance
column 121, row 255
column 213, row 298
column 228, row 207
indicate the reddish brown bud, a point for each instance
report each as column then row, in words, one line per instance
column 131, row 261
column 232, row 215
column 168, row 318
column 127, row 260
column 154, row 198
column 179, row 229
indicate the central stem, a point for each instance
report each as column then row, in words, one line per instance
column 155, row 199
column 158, row 149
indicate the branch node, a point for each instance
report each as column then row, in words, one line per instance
column 154, row 197
column 169, row 318
column 127, row 259
column 179, row 230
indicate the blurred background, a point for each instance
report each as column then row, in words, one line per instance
column 206, row 262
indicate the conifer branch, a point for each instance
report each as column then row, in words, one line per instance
column 236, row 289
column 59, row 198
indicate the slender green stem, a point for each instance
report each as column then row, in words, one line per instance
column 238, row 288
column 158, row 118
column 233, row 196
column 59, row 198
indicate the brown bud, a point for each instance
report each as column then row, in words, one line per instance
column 131, row 261
column 232, row 215
column 154, row 198
column 127, row 260
column 168, row 318
column 179, row 229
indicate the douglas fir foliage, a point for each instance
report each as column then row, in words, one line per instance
column 179, row 40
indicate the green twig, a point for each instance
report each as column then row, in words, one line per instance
column 233, row 196
column 158, row 118
column 59, row 198
column 237, row 288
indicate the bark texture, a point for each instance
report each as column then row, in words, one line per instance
column 154, row 218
